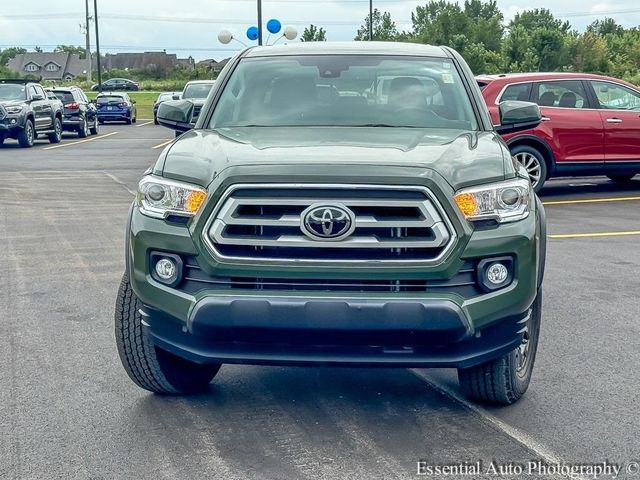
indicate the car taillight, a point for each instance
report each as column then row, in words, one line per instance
column 72, row 106
column 123, row 104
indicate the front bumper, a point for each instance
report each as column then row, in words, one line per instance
column 431, row 328
column 113, row 116
column 303, row 331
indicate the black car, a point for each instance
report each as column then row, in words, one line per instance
column 26, row 112
column 117, row 84
column 80, row 114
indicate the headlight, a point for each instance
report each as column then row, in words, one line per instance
column 504, row 202
column 14, row 110
column 158, row 197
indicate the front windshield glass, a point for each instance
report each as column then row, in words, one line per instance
column 12, row 92
column 197, row 90
column 345, row 90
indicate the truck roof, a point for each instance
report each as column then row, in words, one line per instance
column 349, row 48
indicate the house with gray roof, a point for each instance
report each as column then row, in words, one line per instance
column 49, row 65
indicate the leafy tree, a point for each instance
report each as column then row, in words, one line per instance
column 71, row 49
column 384, row 28
column 9, row 53
column 38, row 49
column 314, row 34
column 539, row 18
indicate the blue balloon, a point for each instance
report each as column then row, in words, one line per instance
column 252, row 33
column 274, row 26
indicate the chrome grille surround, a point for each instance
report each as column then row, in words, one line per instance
column 3, row 113
column 431, row 216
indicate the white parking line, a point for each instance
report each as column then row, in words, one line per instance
column 143, row 124
column 62, row 145
column 522, row 438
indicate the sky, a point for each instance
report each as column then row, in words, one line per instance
column 191, row 27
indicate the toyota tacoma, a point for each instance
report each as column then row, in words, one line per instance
column 26, row 112
column 338, row 205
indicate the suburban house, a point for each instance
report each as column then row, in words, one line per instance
column 212, row 65
column 49, row 65
column 140, row 61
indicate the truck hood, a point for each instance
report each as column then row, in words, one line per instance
column 462, row 158
column 11, row 103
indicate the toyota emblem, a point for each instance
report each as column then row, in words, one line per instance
column 327, row 222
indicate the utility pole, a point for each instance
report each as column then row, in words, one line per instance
column 259, row 22
column 88, row 41
column 95, row 18
column 370, row 20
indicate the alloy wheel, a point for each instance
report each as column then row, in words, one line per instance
column 532, row 164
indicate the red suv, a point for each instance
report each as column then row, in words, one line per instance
column 591, row 124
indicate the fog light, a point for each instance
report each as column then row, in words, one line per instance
column 13, row 121
column 497, row 273
column 166, row 269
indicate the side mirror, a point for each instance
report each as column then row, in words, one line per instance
column 516, row 116
column 37, row 97
column 176, row 114
column 176, row 97
column 133, row 101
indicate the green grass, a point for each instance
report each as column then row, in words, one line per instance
column 144, row 102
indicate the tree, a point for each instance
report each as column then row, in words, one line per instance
column 37, row 49
column 71, row 49
column 384, row 29
column 9, row 53
column 314, row 34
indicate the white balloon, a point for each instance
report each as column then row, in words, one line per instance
column 225, row 36
column 290, row 32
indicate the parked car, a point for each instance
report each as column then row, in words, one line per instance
column 26, row 112
column 591, row 124
column 115, row 106
column 197, row 92
column 80, row 114
column 163, row 97
column 117, row 84
column 286, row 228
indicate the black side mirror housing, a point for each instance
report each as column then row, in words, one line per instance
column 516, row 116
column 176, row 97
column 176, row 114
column 37, row 97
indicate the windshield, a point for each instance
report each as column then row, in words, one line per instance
column 109, row 100
column 197, row 90
column 356, row 90
column 12, row 92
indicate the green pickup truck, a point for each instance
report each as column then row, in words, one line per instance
column 336, row 204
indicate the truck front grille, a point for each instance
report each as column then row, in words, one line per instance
column 392, row 224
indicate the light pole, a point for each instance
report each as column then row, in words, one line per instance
column 88, row 41
column 95, row 14
column 370, row 20
column 259, row 22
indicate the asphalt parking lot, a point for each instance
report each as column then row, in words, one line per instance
column 68, row 410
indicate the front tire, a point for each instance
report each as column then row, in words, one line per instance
column 94, row 129
column 56, row 135
column 27, row 135
column 148, row 366
column 505, row 380
column 533, row 161
column 83, row 130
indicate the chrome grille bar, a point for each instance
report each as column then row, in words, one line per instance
column 262, row 223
